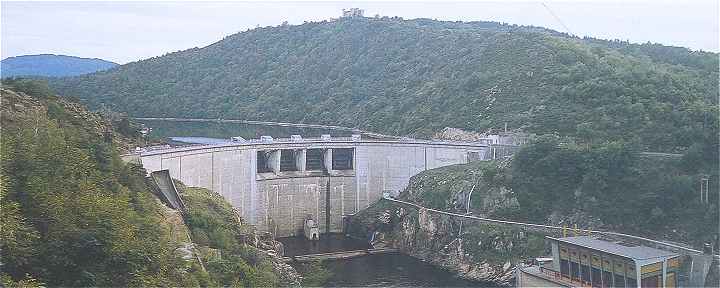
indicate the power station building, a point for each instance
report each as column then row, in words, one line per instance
column 585, row 261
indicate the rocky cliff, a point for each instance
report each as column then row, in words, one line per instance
column 471, row 249
column 474, row 251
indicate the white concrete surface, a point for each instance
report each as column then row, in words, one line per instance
column 280, row 201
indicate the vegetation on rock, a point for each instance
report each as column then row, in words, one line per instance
column 74, row 214
column 472, row 250
column 449, row 188
column 214, row 224
column 611, row 186
column 314, row 273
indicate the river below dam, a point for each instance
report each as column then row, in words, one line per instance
column 391, row 270
column 380, row 270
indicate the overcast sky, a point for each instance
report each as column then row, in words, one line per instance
column 128, row 31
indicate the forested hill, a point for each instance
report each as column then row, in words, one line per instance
column 75, row 215
column 48, row 65
column 415, row 77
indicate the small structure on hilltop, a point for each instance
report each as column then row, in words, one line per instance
column 585, row 261
column 353, row 12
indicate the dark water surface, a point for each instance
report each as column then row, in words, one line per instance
column 391, row 270
column 380, row 270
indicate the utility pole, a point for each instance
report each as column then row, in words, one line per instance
column 704, row 189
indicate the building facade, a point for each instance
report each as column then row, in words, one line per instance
column 353, row 12
column 585, row 261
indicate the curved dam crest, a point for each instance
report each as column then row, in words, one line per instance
column 278, row 183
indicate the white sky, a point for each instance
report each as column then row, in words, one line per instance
column 128, row 31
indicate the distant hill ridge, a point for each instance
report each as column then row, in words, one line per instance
column 50, row 65
column 415, row 77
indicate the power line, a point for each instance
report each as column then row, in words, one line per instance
column 557, row 18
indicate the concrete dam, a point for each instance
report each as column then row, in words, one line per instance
column 278, row 183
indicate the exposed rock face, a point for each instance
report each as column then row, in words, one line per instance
column 491, row 137
column 457, row 134
column 473, row 250
column 178, row 231
column 449, row 188
column 289, row 277
column 577, row 217
column 481, row 253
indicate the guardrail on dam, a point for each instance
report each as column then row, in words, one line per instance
column 278, row 183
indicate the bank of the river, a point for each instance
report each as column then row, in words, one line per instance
column 478, row 252
column 470, row 249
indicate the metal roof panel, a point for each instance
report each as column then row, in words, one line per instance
column 633, row 252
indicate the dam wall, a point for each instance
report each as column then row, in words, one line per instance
column 277, row 184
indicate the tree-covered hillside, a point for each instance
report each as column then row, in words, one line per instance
column 75, row 215
column 48, row 65
column 419, row 76
column 608, row 187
